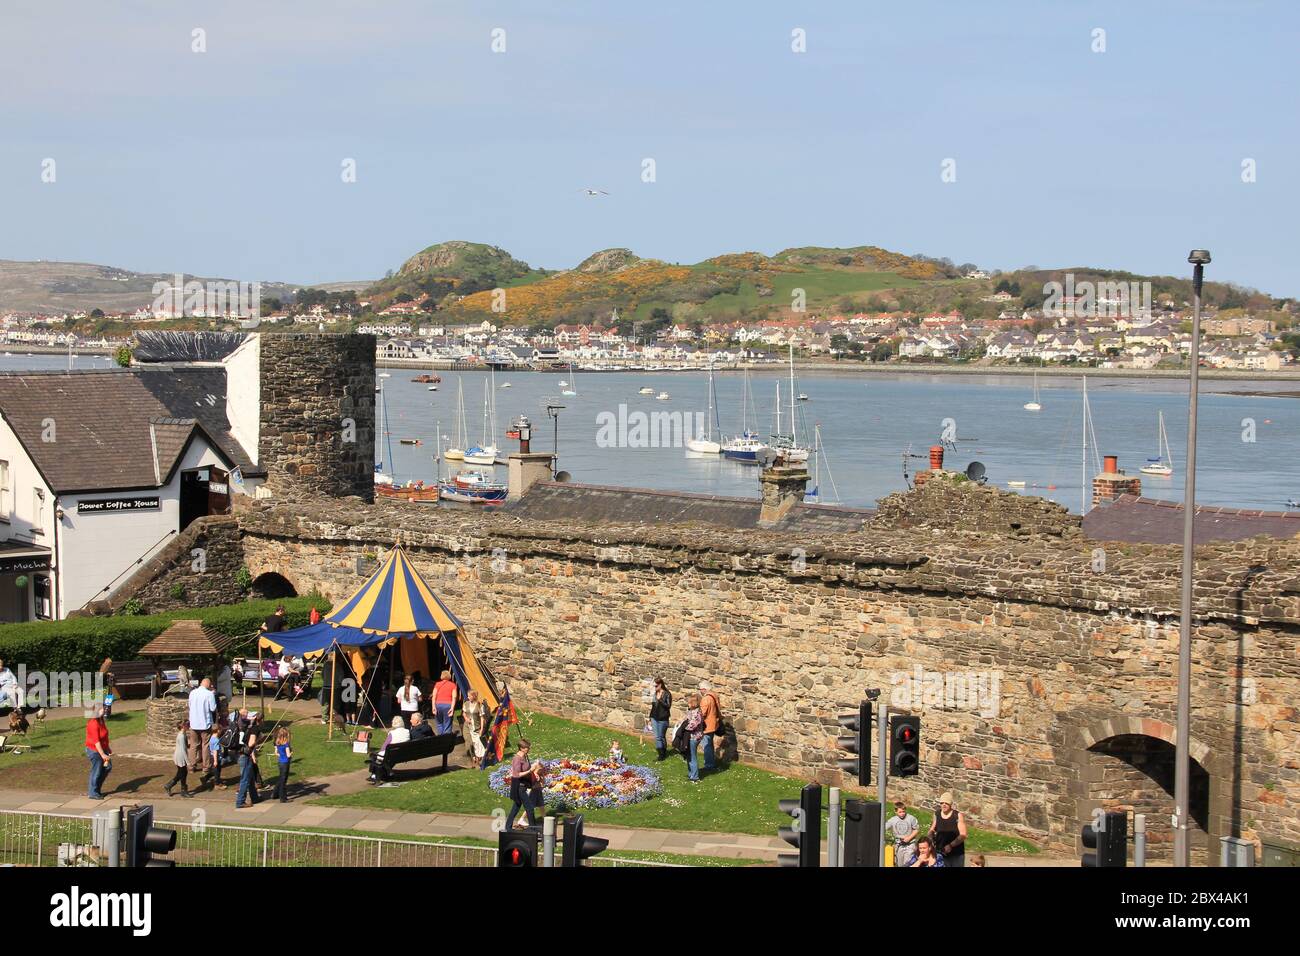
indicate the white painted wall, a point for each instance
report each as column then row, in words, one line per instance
column 95, row 548
column 244, row 393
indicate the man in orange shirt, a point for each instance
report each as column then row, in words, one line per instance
column 98, row 752
column 711, row 710
column 444, row 702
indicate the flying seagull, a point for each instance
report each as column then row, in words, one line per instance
column 594, row 192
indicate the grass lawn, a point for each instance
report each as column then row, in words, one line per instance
column 737, row 799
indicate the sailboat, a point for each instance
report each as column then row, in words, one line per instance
column 1034, row 406
column 788, row 445
column 457, row 451
column 485, row 453
column 705, row 445
column 1162, row 464
column 571, row 390
column 746, row 446
column 382, row 478
column 813, row 495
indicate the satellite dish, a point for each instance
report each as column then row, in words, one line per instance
column 975, row 471
column 563, row 476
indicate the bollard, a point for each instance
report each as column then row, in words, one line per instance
column 1139, row 839
column 833, row 829
column 548, row 841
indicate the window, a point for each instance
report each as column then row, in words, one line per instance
column 38, row 511
column 4, row 491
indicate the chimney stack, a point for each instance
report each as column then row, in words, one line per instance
column 1112, row 482
column 783, row 487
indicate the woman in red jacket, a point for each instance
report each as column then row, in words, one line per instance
column 98, row 752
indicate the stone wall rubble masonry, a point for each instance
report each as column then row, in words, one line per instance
column 577, row 617
column 317, row 420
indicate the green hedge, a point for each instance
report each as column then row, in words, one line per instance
column 82, row 643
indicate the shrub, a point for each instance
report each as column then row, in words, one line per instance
column 82, row 643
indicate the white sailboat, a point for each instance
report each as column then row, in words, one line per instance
column 813, row 496
column 704, row 444
column 1035, row 405
column 485, row 453
column 788, row 445
column 572, row 389
column 1162, row 464
column 457, row 451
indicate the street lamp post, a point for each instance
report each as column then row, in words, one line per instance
column 1182, row 769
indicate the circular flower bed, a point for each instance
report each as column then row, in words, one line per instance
column 587, row 783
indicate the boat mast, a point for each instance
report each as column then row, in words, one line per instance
column 794, row 428
column 1083, row 455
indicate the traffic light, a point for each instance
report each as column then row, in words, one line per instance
column 861, row 833
column 517, row 849
column 1107, row 840
column 806, row 834
column 860, row 743
column 578, row 847
column 143, row 839
column 904, row 745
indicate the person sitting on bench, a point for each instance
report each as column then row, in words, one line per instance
column 420, row 728
column 398, row 735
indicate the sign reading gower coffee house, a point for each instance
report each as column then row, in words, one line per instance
column 21, row 565
column 96, row 505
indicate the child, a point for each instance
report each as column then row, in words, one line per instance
column 214, row 748
column 536, row 793
column 616, row 753
column 181, row 759
column 284, row 754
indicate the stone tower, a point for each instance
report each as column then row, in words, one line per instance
column 316, row 431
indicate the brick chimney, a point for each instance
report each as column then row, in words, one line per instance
column 783, row 487
column 1112, row 482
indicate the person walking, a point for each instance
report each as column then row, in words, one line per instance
column 520, row 777
column 246, row 740
column 444, row 702
column 905, row 829
column 98, row 752
column 181, row 759
column 948, row 831
column 475, row 725
column 694, row 730
column 202, row 712
column 711, row 710
column 283, row 757
column 660, row 713
column 408, row 699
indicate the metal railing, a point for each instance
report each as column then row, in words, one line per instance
column 33, row 839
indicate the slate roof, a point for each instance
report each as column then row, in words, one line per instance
column 550, row 501
column 187, row 639
column 1153, row 521
column 117, row 428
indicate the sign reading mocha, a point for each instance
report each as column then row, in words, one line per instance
column 101, row 470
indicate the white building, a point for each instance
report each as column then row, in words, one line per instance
column 100, row 469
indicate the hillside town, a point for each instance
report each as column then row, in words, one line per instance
column 1098, row 335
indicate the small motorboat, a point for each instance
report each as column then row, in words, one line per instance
column 662, row 397
column 1015, row 484
column 409, row 441
column 646, row 391
column 803, row 397
column 433, row 388
column 505, row 384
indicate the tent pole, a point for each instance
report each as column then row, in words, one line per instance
column 334, row 673
column 261, row 681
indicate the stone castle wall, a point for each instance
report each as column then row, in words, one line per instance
column 317, row 422
column 1045, row 652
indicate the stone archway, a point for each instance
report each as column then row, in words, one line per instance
column 1128, row 763
column 273, row 585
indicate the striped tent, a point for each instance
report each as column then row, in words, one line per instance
column 394, row 604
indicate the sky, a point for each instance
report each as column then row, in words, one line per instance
column 230, row 161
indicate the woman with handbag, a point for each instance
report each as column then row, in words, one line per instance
column 660, row 713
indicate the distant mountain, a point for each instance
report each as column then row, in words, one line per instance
column 60, row 287
column 451, row 268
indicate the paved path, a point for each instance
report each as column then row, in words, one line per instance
column 220, row 808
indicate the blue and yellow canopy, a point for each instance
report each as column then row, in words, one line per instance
column 395, row 603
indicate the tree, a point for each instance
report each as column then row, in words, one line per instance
column 122, row 356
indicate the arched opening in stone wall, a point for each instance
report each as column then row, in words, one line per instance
column 272, row 585
column 1135, row 772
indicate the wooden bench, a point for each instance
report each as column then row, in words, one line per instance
column 124, row 674
column 435, row 746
